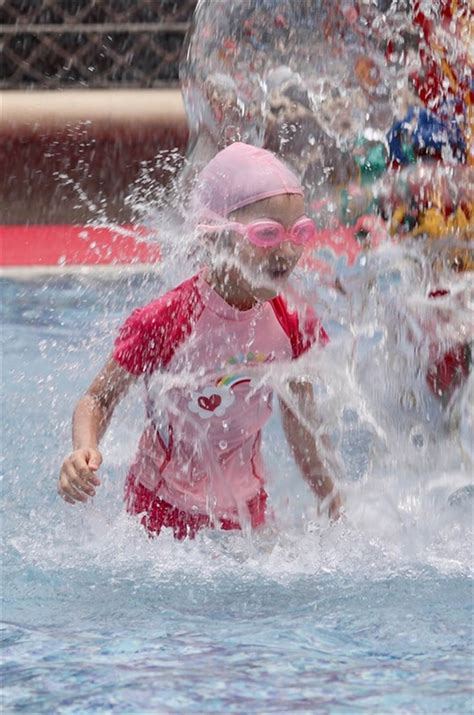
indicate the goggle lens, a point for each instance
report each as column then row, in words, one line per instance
column 266, row 234
column 303, row 231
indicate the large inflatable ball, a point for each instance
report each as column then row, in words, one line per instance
column 306, row 78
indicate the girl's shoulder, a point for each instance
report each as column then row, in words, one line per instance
column 149, row 337
column 177, row 304
column 301, row 324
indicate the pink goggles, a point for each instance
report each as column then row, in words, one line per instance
column 266, row 233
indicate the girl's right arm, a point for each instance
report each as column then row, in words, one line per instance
column 77, row 480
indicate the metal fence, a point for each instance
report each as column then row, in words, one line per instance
column 50, row 44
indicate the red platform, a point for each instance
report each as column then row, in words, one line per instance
column 66, row 246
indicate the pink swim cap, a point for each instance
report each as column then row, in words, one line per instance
column 240, row 175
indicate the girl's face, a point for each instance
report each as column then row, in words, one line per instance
column 251, row 273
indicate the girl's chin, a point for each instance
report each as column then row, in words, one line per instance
column 272, row 288
column 263, row 294
column 266, row 290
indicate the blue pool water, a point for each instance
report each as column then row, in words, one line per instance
column 373, row 616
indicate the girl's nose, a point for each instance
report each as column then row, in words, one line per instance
column 287, row 250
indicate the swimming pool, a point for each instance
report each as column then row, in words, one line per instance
column 370, row 616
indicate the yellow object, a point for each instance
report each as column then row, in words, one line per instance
column 397, row 218
column 432, row 223
column 458, row 222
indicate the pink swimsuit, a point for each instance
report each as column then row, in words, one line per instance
column 199, row 461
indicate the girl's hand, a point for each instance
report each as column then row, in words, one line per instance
column 77, row 478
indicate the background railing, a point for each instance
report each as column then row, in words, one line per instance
column 49, row 44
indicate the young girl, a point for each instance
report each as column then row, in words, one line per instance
column 198, row 349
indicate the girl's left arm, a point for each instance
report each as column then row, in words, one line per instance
column 298, row 419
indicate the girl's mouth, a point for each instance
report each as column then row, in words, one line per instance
column 279, row 273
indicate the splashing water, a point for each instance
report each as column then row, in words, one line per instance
column 371, row 614
column 376, row 609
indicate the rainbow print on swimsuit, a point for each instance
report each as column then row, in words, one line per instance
column 249, row 359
